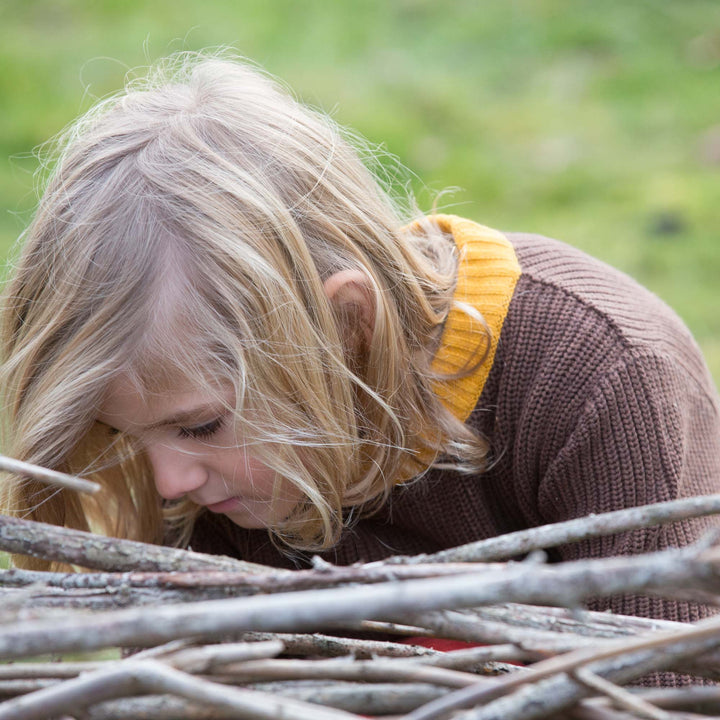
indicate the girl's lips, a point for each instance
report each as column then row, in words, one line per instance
column 224, row 505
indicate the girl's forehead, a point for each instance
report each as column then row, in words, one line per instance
column 128, row 407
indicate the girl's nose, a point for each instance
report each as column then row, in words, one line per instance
column 176, row 473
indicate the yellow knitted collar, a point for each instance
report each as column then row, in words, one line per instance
column 488, row 271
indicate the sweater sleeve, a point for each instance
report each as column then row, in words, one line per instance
column 649, row 432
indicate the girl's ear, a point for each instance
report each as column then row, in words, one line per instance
column 352, row 296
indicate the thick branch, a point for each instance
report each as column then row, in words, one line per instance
column 50, row 542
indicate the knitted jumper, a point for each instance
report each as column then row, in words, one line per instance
column 594, row 397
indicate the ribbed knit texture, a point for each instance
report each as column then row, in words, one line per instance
column 597, row 399
column 487, row 274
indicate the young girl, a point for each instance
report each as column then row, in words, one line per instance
column 216, row 295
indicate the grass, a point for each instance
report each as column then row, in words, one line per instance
column 597, row 123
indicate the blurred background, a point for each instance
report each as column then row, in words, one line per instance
column 594, row 122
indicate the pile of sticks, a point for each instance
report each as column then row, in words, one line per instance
column 200, row 636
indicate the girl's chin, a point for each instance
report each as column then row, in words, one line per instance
column 254, row 513
column 251, row 516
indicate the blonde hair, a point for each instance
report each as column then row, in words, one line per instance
column 184, row 236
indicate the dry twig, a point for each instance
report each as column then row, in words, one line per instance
column 50, row 477
column 143, row 676
column 522, row 542
column 594, row 653
column 621, row 661
column 621, row 697
column 567, row 583
column 367, row 699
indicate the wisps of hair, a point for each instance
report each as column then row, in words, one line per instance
column 183, row 238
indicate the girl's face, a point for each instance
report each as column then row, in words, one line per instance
column 190, row 440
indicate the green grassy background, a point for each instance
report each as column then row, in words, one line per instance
column 595, row 122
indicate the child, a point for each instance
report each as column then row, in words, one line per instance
column 217, row 294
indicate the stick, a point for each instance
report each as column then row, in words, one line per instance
column 469, row 659
column 51, row 477
column 313, row 609
column 459, row 626
column 249, row 663
column 634, row 658
column 375, row 670
column 510, row 545
column 332, row 646
column 76, row 547
column 132, row 678
column 271, row 580
column 622, row 697
column 580, row 622
column 194, row 660
column 368, row 699
column 12, row 688
column 698, row 699
column 558, row 693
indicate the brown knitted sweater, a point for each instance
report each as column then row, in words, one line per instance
column 597, row 399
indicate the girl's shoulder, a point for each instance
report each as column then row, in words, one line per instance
column 565, row 289
column 575, row 325
column 591, row 281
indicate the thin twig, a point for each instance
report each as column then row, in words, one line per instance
column 581, row 622
column 704, row 699
column 132, row 678
column 622, row 697
column 375, row 670
column 367, row 699
column 470, row 658
column 703, row 633
column 99, row 591
column 272, row 579
column 176, row 654
column 208, row 658
column 454, row 625
column 319, row 644
column 45, row 475
column 513, row 544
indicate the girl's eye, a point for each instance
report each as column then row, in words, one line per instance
column 201, row 432
column 110, row 431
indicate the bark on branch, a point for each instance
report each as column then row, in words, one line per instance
column 75, row 547
column 504, row 547
column 144, row 676
column 565, row 584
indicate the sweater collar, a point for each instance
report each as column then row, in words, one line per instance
column 488, row 271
